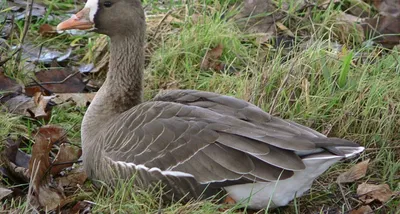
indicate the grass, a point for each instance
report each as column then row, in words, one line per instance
column 350, row 91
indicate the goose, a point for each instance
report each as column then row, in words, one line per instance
column 195, row 143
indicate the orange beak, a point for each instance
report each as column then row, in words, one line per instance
column 79, row 21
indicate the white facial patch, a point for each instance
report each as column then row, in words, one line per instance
column 92, row 5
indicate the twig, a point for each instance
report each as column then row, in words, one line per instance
column 41, row 86
column 272, row 109
column 56, row 82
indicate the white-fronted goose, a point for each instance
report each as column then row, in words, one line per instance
column 190, row 139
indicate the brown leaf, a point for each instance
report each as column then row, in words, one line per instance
column 37, row 107
column 50, row 198
column 4, row 192
column 363, row 210
column 388, row 7
column 211, row 59
column 78, row 99
column 255, row 17
column 57, row 81
column 371, row 192
column 354, row 173
column 41, row 110
column 73, row 178
column 347, row 26
column 384, row 29
column 7, row 84
column 67, row 154
column 79, row 207
column 39, row 166
column 47, row 30
column 45, row 137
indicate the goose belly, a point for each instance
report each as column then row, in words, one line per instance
column 258, row 195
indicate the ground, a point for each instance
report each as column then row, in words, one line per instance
column 314, row 69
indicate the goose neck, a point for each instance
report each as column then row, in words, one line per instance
column 122, row 88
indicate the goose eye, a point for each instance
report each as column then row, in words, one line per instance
column 107, row 4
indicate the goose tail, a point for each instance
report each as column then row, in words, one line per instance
column 340, row 147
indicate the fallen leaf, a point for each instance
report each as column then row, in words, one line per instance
column 78, row 99
column 33, row 53
column 256, row 18
column 14, row 162
column 38, row 107
column 325, row 3
column 363, row 210
column 44, row 138
column 47, row 30
column 371, row 192
column 384, row 30
column 388, row 7
column 66, row 156
column 211, row 59
column 49, row 197
column 47, row 194
column 86, row 68
column 348, row 26
column 73, row 178
column 79, row 207
column 4, row 192
column 283, row 28
column 41, row 110
column 354, row 173
column 6, row 30
column 7, row 84
column 57, row 81
column 19, row 7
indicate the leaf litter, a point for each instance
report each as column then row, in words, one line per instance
column 46, row 180
column 368, row 193
column 356, row 172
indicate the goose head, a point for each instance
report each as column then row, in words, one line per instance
column 109, row 17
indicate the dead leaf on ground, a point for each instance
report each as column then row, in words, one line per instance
column 77, row 99
column 19, row 6
column 4, row 192
column 256, row 18
column 66, row 156
column 38, row 107
column 347, row 26
column 388, row 7
column 7, row 84
column 47, row 30
column 57, row 81
column 34, row 53
column 324, row 4
column 211, row 59
column 354, row 173
column 79, row 207
column 75, row 177
column 363, row 210
column 47, row 194
column 371, row 192
column 384, row 30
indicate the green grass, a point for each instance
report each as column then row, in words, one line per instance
column 350, row 92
